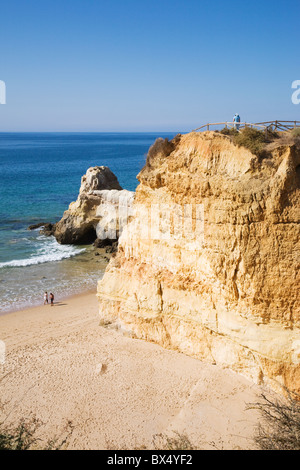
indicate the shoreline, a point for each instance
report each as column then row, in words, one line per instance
column 117, row 391
column 34, row 319
column 78, row 274
column 57, row 301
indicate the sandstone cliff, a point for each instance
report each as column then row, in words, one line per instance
column 95, row 213
column 230, row 294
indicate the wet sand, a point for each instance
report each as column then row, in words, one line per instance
column 118, row 392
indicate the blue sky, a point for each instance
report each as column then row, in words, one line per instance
column 167, row 65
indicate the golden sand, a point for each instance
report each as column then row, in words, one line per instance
column 61, row 366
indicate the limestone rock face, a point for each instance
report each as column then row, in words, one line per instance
column 209, row 263
column 95, row 208
column 98, row 178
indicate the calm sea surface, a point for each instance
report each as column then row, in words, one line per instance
column 40, row 175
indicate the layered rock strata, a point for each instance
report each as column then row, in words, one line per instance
column 209, row 263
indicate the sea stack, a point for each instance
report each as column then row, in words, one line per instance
column 230, row 295
column 96, row 210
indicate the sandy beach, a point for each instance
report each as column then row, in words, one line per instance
column 118, row 392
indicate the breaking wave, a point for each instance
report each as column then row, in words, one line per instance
column 47, row 250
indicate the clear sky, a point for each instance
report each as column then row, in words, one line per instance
column 139, row 65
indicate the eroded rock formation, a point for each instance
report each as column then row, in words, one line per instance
column 229, row 295
column 95, row 213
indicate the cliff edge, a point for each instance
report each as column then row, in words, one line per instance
column 209, row 262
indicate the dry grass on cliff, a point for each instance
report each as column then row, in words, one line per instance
column 280, row 425
column 262, row 143
column 176, row 442
column 286, row 139
column 24, row 437
column 162, row 148
column 252, row 139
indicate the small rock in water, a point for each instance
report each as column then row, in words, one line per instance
column 48, row 229
column 35, row 226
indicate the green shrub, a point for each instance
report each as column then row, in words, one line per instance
column 252, row 139
column 229, row 131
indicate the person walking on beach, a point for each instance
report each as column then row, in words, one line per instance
column 51, row 299
column 45, row 298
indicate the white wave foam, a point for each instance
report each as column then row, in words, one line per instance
column 49, row 251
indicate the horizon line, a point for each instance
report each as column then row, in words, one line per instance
column 90, row 132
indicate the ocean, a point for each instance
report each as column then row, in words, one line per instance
column 40, row 175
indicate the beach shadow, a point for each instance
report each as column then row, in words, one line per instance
column 59, row 304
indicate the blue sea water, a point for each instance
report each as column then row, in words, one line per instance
column 40, row 174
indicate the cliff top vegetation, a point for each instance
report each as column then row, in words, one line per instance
column 261, row 143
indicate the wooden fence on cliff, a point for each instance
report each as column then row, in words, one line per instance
column 267, row 125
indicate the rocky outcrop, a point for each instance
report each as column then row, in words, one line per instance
column 209, row 263
column 95, row 213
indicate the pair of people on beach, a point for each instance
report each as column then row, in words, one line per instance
column 46, row 298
